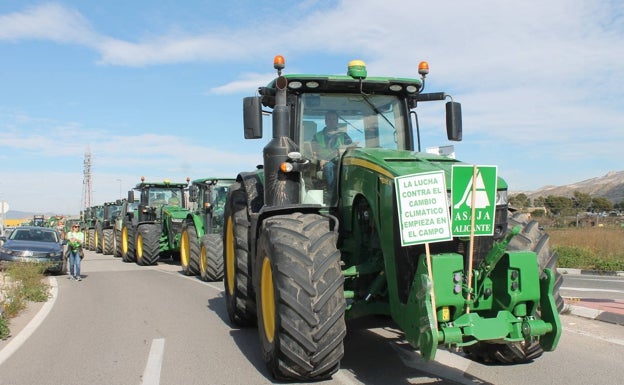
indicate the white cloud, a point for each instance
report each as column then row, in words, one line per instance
column 49, row 21
column 245, row 83
column 542, row 79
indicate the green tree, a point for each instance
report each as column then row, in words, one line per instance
column 520, row 200
column 539, row 202
column 600, row 204
column 558, row 204
column 581, row 200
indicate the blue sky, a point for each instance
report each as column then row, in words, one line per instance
column 155, row 88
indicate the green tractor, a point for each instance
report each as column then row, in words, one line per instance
column 201, row 248
column 124, row 230
column 157, row 226
column 91, row 216
column 312, row 238
column 104, row 227
column 38, row 220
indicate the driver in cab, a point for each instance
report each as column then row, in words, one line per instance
column 325, row 145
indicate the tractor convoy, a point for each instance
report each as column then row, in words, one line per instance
column 347, row 217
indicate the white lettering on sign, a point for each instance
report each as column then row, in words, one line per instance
column 481, row 180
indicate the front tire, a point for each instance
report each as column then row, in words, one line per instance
column 99, row 239
column 91, row 242
column 239, row 295
column 117, row 243
column 211, row 258
column 299, row 296
column 147, row 244
column 189, row 250
column 128, row 253
column 108, row 242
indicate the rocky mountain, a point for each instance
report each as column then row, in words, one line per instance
column 610, row 186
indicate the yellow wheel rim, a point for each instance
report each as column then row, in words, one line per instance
column 184, row 249
column 230, row 258
column 124, row 240
column 139, row 247
column 203, row 262
column 267, row 296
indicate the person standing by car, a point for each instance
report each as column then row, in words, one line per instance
column 75, row 240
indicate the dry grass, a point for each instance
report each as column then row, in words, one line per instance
column 599, row 240
column 589, row 248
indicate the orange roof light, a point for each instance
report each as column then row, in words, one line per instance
column 423, row 68
column 278, row 62
column 286, row 167
column 142, row 179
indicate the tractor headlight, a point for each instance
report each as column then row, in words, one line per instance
column 501, row 197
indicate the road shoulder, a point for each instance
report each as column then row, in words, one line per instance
column 27, row 322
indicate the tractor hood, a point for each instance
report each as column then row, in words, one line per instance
column 175, row 212
column 394, row 163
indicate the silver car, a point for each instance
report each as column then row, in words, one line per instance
column 34, row 244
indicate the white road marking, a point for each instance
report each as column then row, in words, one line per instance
column 440, row 367
column 590, row 289
column 34, row 323
column 587, row 334
column 151, row 375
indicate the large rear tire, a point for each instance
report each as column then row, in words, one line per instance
column 147, row 244
column 300, row 299
column 189, row 250
column 211, row 258
column 239, row 295
column 533, row 239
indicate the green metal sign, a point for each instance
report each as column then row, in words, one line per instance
column 473, row 186
column 423, row 208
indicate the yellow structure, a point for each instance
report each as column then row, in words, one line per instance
column 15, row 222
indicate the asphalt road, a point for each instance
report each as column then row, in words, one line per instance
column 598, row 287
column 126, row 324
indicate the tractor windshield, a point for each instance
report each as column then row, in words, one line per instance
column 112, row 212
column 369, row 120
column 332, row 122
column 165, row 197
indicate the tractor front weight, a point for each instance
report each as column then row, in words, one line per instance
column 503, row 308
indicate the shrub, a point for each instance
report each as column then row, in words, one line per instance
column 583, row 258
column 23, row 283
column 5, row 332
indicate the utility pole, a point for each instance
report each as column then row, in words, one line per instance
column 86, row 182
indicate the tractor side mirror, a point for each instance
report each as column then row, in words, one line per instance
column 193, row 193
column 453, row 121
column 130, row 196
column 252, row 117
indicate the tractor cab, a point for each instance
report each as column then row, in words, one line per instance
column 317, row 118
column 154, row 196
